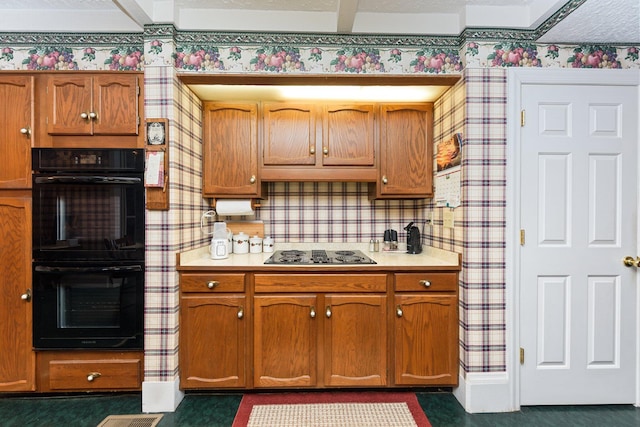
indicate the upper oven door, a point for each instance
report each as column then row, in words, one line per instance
column 88, row 217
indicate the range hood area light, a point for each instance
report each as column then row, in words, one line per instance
column 215, row 92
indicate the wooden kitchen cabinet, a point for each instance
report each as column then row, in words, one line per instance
column 230, row 151
column 355, row 337
column 17, row 358
column 306, row 142
column 213, row 331
column 426, row 329
column 322, row 338
column 93, row 104
column 289, row 134
column 16, row 130
column 285, row 341
column 74, row 371
column 406, row 152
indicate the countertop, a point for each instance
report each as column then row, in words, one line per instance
column 430, row 258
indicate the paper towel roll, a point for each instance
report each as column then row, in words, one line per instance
column 234, row 207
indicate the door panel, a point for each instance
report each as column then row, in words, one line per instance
column 578, row 204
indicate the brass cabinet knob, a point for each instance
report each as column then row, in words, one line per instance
column 328, row 311
column 84, row 116
column 312, row 150
column 312, row 312
column 240, row 312
column 325, row 151
column 26, row 296
column 425, row 283
column 212, row 284
column 399, row 312
column 26, row 131
column 384, row 179
column 93, row 375
column 93, row 115
column 252, row 180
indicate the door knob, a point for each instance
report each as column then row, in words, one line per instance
column 630, row 261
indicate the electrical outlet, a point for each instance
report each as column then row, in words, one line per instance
column 429, row 218
column 447, row 218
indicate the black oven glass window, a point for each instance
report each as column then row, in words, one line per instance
column 98, row 306
column 91, row 301
column 90, row 218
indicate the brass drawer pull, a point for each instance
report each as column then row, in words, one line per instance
column 93, row 375
column 212, row 284
column 425, row 283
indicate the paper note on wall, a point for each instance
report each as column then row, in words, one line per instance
column 154, row 174
column 448, row 188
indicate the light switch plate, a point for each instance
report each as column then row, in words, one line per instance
column 447, row 218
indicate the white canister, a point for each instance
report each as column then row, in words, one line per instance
column 240, row 243
column 255, row 245
column 267, row 244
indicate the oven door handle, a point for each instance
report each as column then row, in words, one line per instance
column 45, row 269
column 69, row 179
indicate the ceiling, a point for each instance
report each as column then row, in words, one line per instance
column 593, row 21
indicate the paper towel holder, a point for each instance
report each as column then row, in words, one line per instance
column 255, row 203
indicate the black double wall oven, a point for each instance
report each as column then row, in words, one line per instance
column 88, row 248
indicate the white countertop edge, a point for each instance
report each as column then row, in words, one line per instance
column 430, row 256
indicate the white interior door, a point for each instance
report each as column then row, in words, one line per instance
column 578, row 209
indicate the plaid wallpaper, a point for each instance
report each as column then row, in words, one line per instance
column 482, row 281
column 328, row 212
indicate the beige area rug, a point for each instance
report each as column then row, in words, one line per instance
column 144, row 420
column 331, row 409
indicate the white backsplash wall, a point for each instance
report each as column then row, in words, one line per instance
column 334, row 212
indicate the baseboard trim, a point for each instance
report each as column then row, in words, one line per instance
column 485, row 393
column 161, row 396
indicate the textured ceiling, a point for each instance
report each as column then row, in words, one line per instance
column 594, row 21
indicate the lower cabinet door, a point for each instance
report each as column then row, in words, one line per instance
column 213, row 342
column 285, row 340
column 17, row 358
column 355, row 340
column 426, row 340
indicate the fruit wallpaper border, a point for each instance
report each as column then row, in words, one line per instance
column 298, row 53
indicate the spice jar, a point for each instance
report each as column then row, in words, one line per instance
column 255, row 245
column 267, row 244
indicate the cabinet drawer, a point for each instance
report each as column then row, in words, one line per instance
column 94, row 374
column 320, row 283
column 426, row 282
column 71, row 370
column 214, row 282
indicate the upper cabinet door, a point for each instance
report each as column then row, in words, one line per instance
column 289, row 134
column 93, row 105
column 69, row 105
column 348, row 135
column 16, row 130
column 115, row 103
column 406, row 146
column 230, row 150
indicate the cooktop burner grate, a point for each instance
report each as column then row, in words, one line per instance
column 319, row 256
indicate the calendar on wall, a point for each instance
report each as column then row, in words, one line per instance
column 448, row 188
column 448, row 174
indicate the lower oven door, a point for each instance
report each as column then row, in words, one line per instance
column 88, row 307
